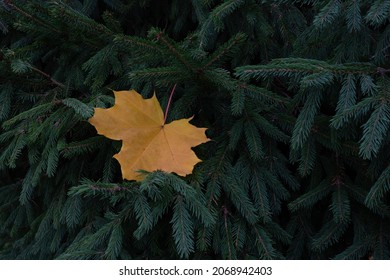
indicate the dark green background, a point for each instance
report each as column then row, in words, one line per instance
column 295, row 96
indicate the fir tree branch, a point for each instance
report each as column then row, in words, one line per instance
column 286, row 71
column 216, row 172
column 236, row 242
column 135, row 41
column 81, row 19
column 227, row 231
column 225, row 49
column 26, row 14
column 54, row 81
column 264, row 93
column 382, row 71
column 357, row 249
column 292, row 67
column 156, row 73
column 262, row 242
column 160, row 36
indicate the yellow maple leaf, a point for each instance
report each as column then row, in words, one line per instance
column 148, row 143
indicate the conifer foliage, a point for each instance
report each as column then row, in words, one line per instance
column 295, row 96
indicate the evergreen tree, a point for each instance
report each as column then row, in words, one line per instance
column 295, row 96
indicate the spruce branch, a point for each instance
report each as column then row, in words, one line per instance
column 90, row 188
column 382, row 71
column 160, row 37
column 263, row 93
column 50, row 78
column 298, row 67
column 227, row 230
column 26, row 14
column 263, row 243
column 66, row 11
column 224, row 50
column 138, row 42
column 217, row 172
column 268, row 71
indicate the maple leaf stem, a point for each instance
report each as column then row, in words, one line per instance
column 169, row 103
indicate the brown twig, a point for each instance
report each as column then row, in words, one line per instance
column 54, row 81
